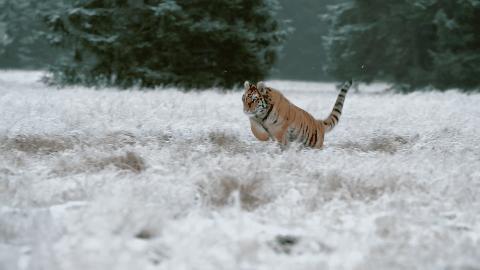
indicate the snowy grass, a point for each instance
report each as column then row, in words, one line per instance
column 105, row 179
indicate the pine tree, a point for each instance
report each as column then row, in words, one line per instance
column 456, row 56
column 411, row 43
column 192, row 44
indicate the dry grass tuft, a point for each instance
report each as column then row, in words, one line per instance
column 227, row 190
column 386, row 144
column 336, row 186
column 38, row 144
column 50, row 144
column 223, row 141
column 130, row 161
column 116, row 140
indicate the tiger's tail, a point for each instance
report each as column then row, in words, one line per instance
column 334, row 116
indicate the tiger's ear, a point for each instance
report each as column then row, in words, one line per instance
column 246, row 85
column 261, row 86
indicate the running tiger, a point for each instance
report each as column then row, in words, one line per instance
column 273, row 116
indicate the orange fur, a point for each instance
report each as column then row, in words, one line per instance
column 272, row 115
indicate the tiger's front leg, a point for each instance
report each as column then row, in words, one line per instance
column 258, row 131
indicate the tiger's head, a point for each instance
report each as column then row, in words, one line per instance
column 255, row 99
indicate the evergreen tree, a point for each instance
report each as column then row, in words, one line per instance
column 410, row 43
column 456, row 56
column 188, row 43
column 21, row 42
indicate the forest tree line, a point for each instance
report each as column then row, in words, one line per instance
column 412, row 44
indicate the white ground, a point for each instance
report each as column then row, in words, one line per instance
column 105, row 179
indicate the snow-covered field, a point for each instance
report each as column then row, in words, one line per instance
column 105, row 179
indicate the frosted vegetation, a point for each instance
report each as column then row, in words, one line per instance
column 106, row 179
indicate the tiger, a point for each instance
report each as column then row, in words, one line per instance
column 273, row 116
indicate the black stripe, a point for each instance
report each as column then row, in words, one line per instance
column 342, row 95
column 302, row 133
column 268, row 113
column 315, row 139
column 334, row 116
column 339, row 103
column 337, row 110
column 276, row 120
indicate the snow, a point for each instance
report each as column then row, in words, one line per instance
column 107, row 179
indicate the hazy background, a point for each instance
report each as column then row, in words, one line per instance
column 412, row 44
column 303, row 55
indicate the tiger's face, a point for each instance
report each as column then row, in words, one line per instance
column 255, row 100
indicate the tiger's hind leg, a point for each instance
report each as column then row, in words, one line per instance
column 281, row 135
column 320, row 138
